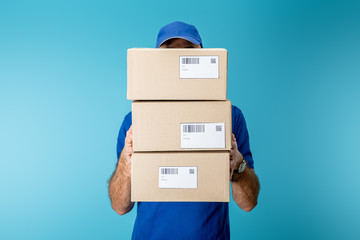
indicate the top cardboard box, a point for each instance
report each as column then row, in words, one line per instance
column 176, row 74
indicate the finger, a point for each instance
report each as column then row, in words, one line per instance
column 232, row 164
column 128, row 140
column 231, row 152
column 127, row 146
column 129, row 131
column 233, row 145
column 129, row 150
column 128, row 158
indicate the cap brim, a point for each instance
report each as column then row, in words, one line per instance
column 190, row 39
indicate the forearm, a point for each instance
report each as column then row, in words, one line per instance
column 120, row 187
column 245, row 189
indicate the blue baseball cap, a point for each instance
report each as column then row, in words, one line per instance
column 178, row 30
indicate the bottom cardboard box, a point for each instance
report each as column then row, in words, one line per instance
column 180, row 176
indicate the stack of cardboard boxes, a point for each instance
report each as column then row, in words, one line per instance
column 181, row 124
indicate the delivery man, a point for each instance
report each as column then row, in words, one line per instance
column 185, row 220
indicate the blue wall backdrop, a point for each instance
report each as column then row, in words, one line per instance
column 294, row 70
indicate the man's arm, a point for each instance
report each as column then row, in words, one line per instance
column 245, row 186
column 120, row 181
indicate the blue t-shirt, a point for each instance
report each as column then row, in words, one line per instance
column 187, row 220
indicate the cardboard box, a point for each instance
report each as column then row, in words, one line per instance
column 180, row 176
column 181, row 125
column 176, row 74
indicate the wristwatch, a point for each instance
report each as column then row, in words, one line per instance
column 242, row 166
column 238, row 171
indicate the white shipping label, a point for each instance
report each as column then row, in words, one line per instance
column 178, row 177
column 202, row 135
column 199, row 66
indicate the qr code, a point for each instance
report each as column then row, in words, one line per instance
column 213, row 60
column 218, row 128
column 191, row 171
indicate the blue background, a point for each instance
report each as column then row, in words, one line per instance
column 293, row 70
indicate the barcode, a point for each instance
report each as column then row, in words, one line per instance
column 169, row 171
column 218, row 128
column 191, row 171
column 194, row 128
column 213, row 60
column 190, row 60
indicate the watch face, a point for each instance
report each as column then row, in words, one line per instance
column 242, row 166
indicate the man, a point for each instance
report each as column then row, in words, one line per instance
column 185, row 220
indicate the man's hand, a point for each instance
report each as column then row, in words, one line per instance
column 235, row 156
column 128, row 147
column 245, row 190
column 120, row 181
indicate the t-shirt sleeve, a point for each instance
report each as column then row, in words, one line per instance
column 122, row 134
column 242, row 136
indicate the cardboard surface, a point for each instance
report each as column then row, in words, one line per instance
column 157, row 125
column 176, row 74
column 212, row 169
